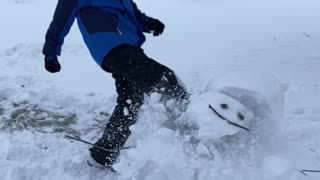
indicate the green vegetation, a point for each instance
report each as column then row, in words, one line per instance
column 26, row 116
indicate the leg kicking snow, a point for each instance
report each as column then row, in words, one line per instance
column 135, row 74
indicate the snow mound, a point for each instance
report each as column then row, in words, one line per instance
column 199, row 138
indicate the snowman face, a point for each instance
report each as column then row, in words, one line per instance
column 218, row 115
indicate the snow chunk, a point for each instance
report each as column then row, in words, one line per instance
column 125, row 111
column 129, row 101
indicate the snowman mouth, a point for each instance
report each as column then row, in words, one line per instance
column 229, row 122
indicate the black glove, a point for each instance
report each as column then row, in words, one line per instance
column 52, row 64
column 154, row 25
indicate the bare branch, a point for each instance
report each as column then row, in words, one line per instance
column 101, row 148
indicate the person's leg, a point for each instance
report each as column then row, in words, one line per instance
column 117, row 130
column 144, row 73
column 135, row 74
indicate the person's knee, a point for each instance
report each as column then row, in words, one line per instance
column 118, row 59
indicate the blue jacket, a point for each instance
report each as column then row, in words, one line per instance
column 104, row 24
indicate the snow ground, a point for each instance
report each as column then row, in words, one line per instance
column 208, row 43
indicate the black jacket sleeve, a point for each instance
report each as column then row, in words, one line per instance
column 141, row 17
column 60, row 26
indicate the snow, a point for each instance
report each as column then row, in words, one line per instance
column 275, row 165
column 264, row 54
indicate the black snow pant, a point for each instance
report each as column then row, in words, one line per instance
column 134, row 74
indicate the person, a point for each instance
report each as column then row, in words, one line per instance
column 113, row 32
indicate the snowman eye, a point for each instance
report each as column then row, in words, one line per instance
column 224, row 106
column 241, row 116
